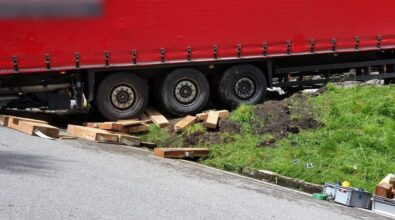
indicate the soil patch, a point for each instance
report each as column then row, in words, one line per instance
column 202, row 138
column 279, row 118
column 226, row 126
column 274, row 118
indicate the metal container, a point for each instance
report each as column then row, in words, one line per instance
column 330, row 190
column 384, row 206
column 353, row 197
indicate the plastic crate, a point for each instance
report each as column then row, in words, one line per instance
column 353, row 197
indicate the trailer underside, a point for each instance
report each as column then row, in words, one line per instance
column 198, row 83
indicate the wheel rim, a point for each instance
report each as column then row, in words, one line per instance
column 123, row 97
column 186, row 91
column 245, row 88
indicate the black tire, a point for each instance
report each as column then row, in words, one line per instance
column 122, row 96
column 242, row 84
column 184, row 91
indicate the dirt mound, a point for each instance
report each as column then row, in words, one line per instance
column 202, row 138
column 226, row 126
column 212, row 137
column 273, row 120
column 279, row 118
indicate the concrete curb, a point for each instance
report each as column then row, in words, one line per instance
column 275, row 178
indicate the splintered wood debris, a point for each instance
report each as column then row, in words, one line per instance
column 121, row 132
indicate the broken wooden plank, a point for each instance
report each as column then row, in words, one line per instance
column 222, row 115
column 181, row 153
column 184, row 123
column 32, row 128
column 157, row 118
column 212, row 120
column 138, row 129
column 93, row 134
column 4, row 120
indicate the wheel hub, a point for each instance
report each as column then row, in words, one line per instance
column 122, row 97
column 185, row 91
column 245, row 88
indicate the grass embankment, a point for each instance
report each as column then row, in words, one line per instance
column 356, row 141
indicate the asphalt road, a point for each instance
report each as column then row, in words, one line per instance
column 44, row 179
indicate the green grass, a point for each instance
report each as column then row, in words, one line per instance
column 156, row 135
column 237, row 154
column 243, row 115
column 356, row 143
column 162, row 137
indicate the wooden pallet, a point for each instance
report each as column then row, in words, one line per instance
column 30, row 126
column 93, row 134
column 13, row 122
column 4, row 120
column 34, row 128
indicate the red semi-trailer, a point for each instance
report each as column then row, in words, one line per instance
column 118, row 54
